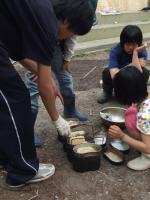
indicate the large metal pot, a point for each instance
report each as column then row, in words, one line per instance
column 113, row 116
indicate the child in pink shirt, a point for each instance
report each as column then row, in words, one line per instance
column 131, row 89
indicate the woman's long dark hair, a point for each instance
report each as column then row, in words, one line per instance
column 130, row 85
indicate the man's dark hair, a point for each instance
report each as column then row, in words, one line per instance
column 131, row 33
column 79, row 14
column 130, row 85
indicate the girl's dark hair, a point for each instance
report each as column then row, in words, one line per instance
column 79, row 14
column 131, row 33
column 130, row 86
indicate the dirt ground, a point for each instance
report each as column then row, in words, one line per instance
column 109, row 182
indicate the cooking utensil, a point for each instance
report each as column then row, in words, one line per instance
column 113, row 116
column 86, row 157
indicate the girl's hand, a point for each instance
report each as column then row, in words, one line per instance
column 141, row 48
column 135, row 60
column 115, row 132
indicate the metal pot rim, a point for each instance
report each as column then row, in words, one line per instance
column 97, row 147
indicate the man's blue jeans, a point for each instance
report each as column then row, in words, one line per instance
column 64, row 79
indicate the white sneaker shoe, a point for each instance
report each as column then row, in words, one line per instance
column 140, row 163
column 45, row 171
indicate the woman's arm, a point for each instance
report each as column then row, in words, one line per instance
column 142, row 62
column 139, row 62
column 136, row 61
column 113, row 72
column 142, row 146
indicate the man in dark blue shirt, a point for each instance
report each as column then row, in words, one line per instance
column 121, row 56
column 29, row 33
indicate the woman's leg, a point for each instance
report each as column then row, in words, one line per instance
column 107, row 87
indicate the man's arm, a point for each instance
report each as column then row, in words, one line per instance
column 45, row 83
column 48, row 92
column 69, row 49
column 31, row 65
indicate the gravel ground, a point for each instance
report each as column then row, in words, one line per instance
column 109, row 182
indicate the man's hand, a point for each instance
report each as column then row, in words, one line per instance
column 115, row 132
column 33, row 77
column 66, row 66
column 62, row 126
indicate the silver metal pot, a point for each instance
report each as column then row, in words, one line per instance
column 113, row 116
